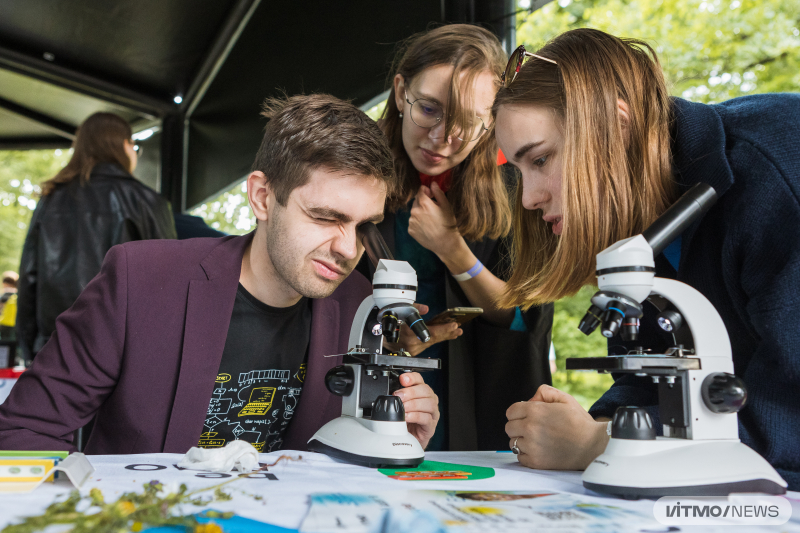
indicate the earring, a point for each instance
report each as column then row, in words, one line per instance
column 401, row 115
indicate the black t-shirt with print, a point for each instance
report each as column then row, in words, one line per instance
column 261, row 374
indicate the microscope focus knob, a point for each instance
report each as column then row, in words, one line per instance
column 724, row 393
column 340, row 380
column 388, row 409
column 633, row 423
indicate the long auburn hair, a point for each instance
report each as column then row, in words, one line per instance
column 477, row 193
column 609, row 191
column 100, row 139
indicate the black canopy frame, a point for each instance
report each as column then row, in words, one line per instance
column 190, row 75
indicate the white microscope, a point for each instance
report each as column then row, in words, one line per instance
column 372, row 430
column 698, row 396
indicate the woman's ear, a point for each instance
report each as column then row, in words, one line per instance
column 259, row 194
column 399, row 92
column 624, row 120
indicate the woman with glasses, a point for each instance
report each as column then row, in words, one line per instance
column 450, row 220
column 603, row 151
column 92, row 204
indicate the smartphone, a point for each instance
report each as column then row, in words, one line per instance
column 456, row 314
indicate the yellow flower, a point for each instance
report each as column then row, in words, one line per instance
column 136, row 527
column 96, row 496
column 126, row 508
column 211, row 527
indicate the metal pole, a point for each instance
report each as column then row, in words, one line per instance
column 53, row 125
column 49, row 72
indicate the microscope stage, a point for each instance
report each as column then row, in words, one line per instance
column 395, row 361
column 650, row 364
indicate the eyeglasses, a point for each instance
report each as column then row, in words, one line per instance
column 427, row 114
column 515, row 63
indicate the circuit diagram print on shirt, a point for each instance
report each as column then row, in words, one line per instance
column 260, row 376
column 257, row 407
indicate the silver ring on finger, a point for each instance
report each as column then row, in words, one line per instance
column 515, row 448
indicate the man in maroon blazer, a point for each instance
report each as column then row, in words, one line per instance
column 198, row 342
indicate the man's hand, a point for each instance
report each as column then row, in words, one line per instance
column 432, row 222
column 409, row 342
column 553, row 432
column 421, row 405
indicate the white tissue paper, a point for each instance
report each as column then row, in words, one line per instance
column 238, row 453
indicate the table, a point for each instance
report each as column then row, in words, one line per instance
column 284, row 489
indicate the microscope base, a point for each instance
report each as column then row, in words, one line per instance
column 679, row 467
column 364, row 442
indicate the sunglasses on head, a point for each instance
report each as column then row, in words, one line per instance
column 515, row 63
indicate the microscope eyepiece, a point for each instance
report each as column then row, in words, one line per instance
column 374, row 244
column 680, row 215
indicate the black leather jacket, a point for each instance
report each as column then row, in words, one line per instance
column 70, row 232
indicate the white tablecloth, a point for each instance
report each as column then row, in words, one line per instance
column 285, row 499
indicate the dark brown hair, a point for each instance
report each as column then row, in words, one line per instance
column 100, row 139
column 307, row 132
column 478, row 193
column 609, row 191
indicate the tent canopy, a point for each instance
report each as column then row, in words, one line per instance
column 190, row 75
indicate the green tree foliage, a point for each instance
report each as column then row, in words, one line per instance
column 585, row 386
column 21, row 172
column 229, row 212
column 376, row 111
column 710, row 51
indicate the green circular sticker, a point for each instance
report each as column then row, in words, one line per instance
column 14, row 470
column 36, row 470
column 435, row 471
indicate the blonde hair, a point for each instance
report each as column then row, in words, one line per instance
column 478, row 193
column 609, row 191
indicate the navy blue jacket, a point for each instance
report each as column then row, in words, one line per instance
column 744, row 256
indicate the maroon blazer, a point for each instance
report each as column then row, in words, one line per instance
column 141, row 349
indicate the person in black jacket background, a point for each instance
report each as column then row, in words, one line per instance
column 92, row 204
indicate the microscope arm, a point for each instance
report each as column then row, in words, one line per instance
column 708, row 331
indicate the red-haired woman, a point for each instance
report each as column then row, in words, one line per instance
column 603, row 151
column 92, row 204
column 450, row 219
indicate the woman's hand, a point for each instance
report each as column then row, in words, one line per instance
column 409, row 342
column 432, row 222
column 433, row 225
column 553, row 432
column 421, row 406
